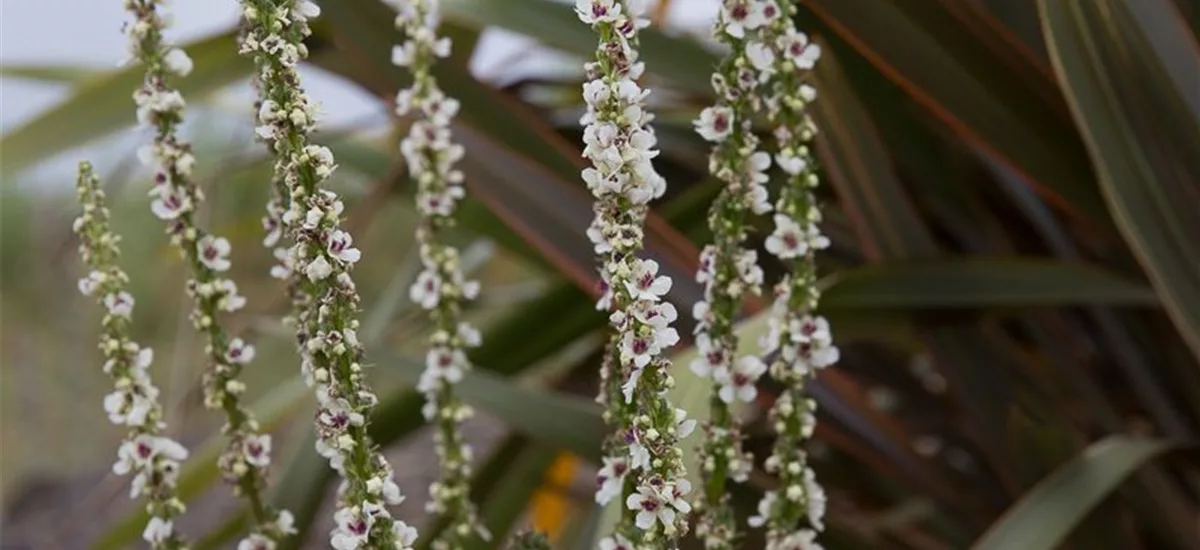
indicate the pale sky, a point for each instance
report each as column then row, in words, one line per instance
column 88, row 32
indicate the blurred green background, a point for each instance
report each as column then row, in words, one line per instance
column 1011, row 189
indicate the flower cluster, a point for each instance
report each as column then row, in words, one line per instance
column 729, row 270
column 152, row 458
column 175, row 200
column 319, row 262
column 799, row 339
column 643, row 466
column 441, row 287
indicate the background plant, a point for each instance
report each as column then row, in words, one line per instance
column 1008, row 196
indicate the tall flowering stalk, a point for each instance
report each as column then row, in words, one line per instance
column 318, row 264
column 799, row 338
column 729, row 270
column 176, row 197
column 441, row 287
column 152, row 458
column 643, row 464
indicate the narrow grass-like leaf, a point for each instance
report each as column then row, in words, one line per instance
column 557, row 419
column 684, row 62
column 1025, row 133
column 50, row 74
column 1044, row 516
column 103, row 105
column 1143, row 141
column 982, row 283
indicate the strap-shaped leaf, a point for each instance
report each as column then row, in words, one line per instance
column 1143, row 139
column 103, row 105
column 1043, row 518
column 981, row 283
column 974, row 98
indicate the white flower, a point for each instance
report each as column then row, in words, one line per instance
column 119, row 304
column 645, row 283
column 468, row 335
column 797, row 49
column 285, row 523
column 804, row 539
column 256, row 541
column 446, row 363
column 170, row 204
column 257, row 450
column 405, row 534
column 684, row 426
column 353, row 528
column 427, row 290
column 808, row 93
column 595, row 92
column 765, row 507
column 143, row 450
column 306, row 9
column 340, row 246
column 158, row 530
column 318, row 269
column 615, row 542
column 596, row 11
column 715, row 123
column 743, row 16
column 230, row 299
column 88, row 285
column 762, row 57
column 178, row 62
column 815, row 347
column 610, row 480
column 790, row 162
column 711, row 356
column 748, row 269
column 815, row 500
column 131, row 407
column 738, row 382
column 651, row 505
column 214, row 252
column 786, row 241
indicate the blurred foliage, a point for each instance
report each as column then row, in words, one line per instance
column 1012, row 190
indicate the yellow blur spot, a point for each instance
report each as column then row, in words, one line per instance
column 551, row 507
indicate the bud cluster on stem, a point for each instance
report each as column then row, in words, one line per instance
column 176, row 198
column 318, row 265
column 153, row 459
column 798, row 338
column 440, row 288
column 728, row 270
column 643, row 465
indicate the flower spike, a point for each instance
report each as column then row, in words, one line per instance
column 318, row 265
column 440, row 287
column 728, row 270
column 799, row 338
column 151, row 457
column 176, row 197
column 643, row 467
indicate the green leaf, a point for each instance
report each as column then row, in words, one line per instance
column 105, row 104
column 1045, row 515
column 51, row 74
column 858, row 165
column 975, row 97
column 684, row 62
column 508, row 499
column 1143, row 140
column 558, row 419
column 981, row 283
